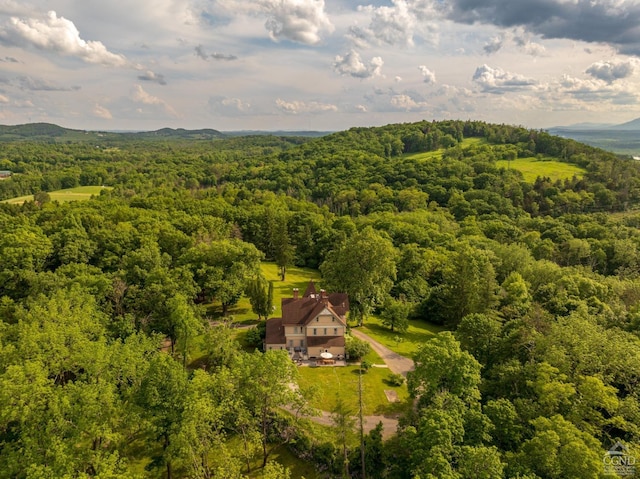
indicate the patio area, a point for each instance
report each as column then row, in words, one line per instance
column 327, row 359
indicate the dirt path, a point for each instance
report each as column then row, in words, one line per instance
column 397, row 363
column 389, row 423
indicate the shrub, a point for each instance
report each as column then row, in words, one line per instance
column 255, row 336
column 356, row 348
column 396, row 379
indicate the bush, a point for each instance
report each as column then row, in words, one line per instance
column 396, row 379
column 356, row 348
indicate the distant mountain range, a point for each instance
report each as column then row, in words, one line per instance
column 48, row 132
column 54, row 133
column 628, row 126
column 622, row 139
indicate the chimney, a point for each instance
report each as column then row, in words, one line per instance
column 324, row 297
column 295, row 293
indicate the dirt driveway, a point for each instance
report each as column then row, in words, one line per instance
column 396, row 362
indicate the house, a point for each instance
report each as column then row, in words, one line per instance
column 311, row 324
column 5, row 174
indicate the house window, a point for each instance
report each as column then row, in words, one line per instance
column 302, row 343
column 317, row 319
column 291, row 343
column 295, row 329
column 325, row 331
column 332, row 319
column 335, row 331
column 315, row 332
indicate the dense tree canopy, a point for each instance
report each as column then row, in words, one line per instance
column 536, row 281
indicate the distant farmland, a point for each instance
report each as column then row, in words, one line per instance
column 531, row 168
column 70, row 194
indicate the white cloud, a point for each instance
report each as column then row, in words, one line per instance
column 351, row 64
column 302, row 21
column 428, row 75
column 391, row 25
column 397, row 24
column 139, row 95
column 496, row 80
column 3, row 99
column 102, row 112
column 534, row 49
column 612, row 71
column 57, row 34
column 229, row 106
column 405, row 102
column 296, row 107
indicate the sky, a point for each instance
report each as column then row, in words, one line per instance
column 317, row 64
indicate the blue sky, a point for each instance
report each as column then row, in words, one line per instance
column 313, row 64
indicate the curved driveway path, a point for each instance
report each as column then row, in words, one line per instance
column 397, row 363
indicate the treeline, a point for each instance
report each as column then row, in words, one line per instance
column 355, row 172
column 538, row 284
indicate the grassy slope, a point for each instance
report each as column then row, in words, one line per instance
column 405, row 344
column 70, row 194
column 532, row 167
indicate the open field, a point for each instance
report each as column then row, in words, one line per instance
column 405, row 344
column 531, row 168
column 70, row 194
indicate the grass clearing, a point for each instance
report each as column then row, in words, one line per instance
column 406, row 344
column 533, row 167
column 78, row 193
column 295, row 278
column 425, row 155
column 437, row 154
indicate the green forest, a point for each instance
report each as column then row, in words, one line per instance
column 119, row 355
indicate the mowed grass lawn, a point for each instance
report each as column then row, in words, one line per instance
column 531, row 168
column 69, row 194
column 330, row 381
column 405, row 344
column 295, row 278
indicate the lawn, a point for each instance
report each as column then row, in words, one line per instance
column 295, row 278
column 405, row 344
column 343, row 380
column 70, row 194
column 531, row 168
